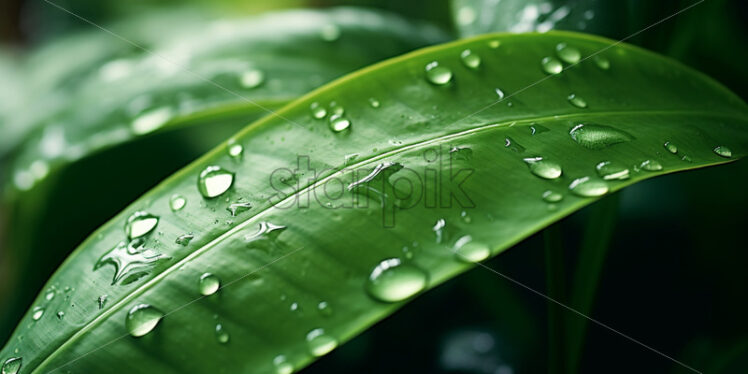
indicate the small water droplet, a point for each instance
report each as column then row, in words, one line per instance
column 552, row 197
column 214, row 181
column 538, row 129
column 609, row 170
column 672, row 148
column 513, row 145
column 140, row 223
column 102, row 301
column 252, row 78
column 324, row 308
column 320, row 343
column 318, row 111
column 602, row 62
column 336, row 109
column 184, row 239
column 568, row 54
column 330, row 32
column 587, row 187
column 470, row 59
column 499, row 93
column 142, row 319
column 651, row 165
column 209, row 284
column 60, row 315
column 50, row 295
column 374, row 102
column 37, row 313
column 468, row 250
column 151, row 120
column 235, row 149
column 282, row 366
column 437, row 74
column 12, row 365
column 236, row 208
column 543, row 168
column 391, row 281
column 221, row 335
column 177, row 202
column 551, row 65
column 577, row 101
column 598, row 136
column 339, row 123
column 723, row 151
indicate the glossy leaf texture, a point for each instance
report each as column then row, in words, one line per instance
column 324, row 227
column 135, row 119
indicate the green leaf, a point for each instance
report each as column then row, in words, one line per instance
column 452, row 160
column 172, row 104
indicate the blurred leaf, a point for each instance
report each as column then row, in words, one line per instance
column 171, row 106
column 407, row 137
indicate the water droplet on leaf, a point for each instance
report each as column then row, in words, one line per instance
column 339, row 123
column 598, row 136
column 551, row 65
column 723, row 151
column 12, row 365
column 672, row 148
column 468, row 250
column 221, row 335
column 567, row 54
column 651, row 165
column 609, row 170
column 552, row 197
column 209, row 284
column 236, row 208
column 437, row 74
column 252, row 78
column 37, row 313
column 470, row 59
column 320, row 343
column 587, row 187
column 282, row 366
column 391, row 281
column 602, row 62
column 374, row 102
column 177, row 202
column 184, row 239
column 318, row 111
column 235, row 149
column 140, row 223
column 214, row 181
column 577, row 101
column 142, row 319
column 543, row 168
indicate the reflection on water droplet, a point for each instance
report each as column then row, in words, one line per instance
column 391, row 281
column 252, row 78
column 551, row 65
column 221, row 335
column 602, row 62
column 37, row 313
column 598, row 136
column 587, row 187
column 651, row 165
column 324, row 308
column 177, row 202
column 339, row 123
column 142, row 319
column 320, row 343
column 470, row 59
column 184, row 239
column 609, row 170
column 552, row 197
column 672, row 148
column 60, row 315
column 12, row 365
column 577, row 101
column 50, row 295
column 235, row 149
column 437, row 74
column 139, row 224
column 282, row 366
column 543, row 168
column 214, row 181
column 209, row 284
column 567, row 54
column 500, row 93
column 318, row 111
column 151, row 120
column 468, row 250
column 374, row 102
column 336, row 109
column 723, row 151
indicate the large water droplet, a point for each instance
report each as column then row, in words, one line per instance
column 177, row 202
column 320, row 343
column 577, row 101
column 142, row 319
column 723, row 151
column 468, row 250
column 609, row 170
column 391, row 281
column 671, row 147
column 551, row 65
column 214, row 181
column 470, row 59
column 37, row 313
column 602, row 62
column 221, row 335
column 543, row 168
column 339, row 123
column 552, row 196
column 651, row 165
column 568, row 54
column 209, row 284
column 598, row 136
column 252, row 78
column 587, row 187
column 140, row 223
column 282, row 366
column 12, row 365
column 437, row 74
column 318, row 111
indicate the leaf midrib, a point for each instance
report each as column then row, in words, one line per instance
column 425, row 142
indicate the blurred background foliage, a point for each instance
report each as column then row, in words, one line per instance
column 674, row 273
